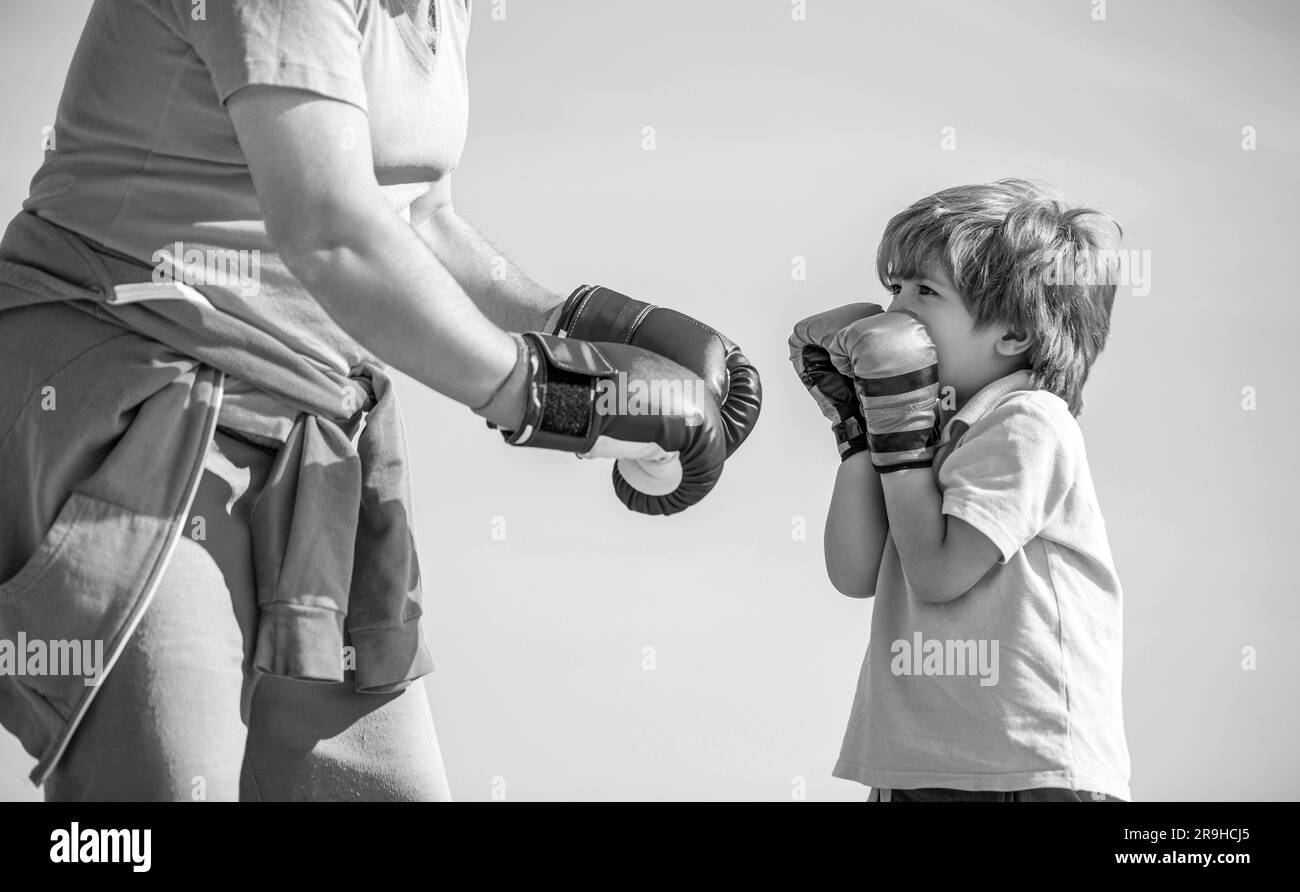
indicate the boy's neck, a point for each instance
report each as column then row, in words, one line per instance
column 961, row 398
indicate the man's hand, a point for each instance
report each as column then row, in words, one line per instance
column 668, row 457
column 894, row 366
column 832, row 390
column 596, row 313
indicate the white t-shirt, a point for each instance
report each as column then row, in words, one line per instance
column 1016, row 683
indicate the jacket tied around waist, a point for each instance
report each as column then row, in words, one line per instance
column 334, row 553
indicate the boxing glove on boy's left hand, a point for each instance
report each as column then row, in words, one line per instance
column 895, row 369
column 579, row 397
column 832, row 390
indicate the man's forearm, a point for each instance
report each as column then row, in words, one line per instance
column 380, row 285
column 498, row 288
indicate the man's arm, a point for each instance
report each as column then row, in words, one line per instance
column 328, row 219
column 942, row 556
column 517, row 303
column 501, row 291
column 856, row 525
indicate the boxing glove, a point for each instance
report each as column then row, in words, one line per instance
column 595, row 313
column 833, row 391
column 669, row 443
column 894, row 366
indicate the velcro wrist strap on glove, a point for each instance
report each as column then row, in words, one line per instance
column 559, row 400
column 850, row 438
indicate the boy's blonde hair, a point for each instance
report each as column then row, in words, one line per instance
column 1020, row 257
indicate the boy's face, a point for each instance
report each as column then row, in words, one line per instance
column 969, row 359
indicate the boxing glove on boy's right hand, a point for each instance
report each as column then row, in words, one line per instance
column 895, row 369
column 604, row 400
column 831, row 389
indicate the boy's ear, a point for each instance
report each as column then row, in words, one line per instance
column 1013, row 343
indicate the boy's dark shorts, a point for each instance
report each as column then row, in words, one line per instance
column 942, row 794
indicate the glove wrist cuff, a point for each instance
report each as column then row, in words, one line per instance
column 560, row 392
column 902, row 466
column 570, row 309
column 850, row 438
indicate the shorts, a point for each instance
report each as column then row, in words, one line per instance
column 182, row 716
column 942, row 794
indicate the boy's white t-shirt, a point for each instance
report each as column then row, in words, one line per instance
column 1031, row 656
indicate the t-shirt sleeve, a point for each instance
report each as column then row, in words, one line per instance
column 305, row 44
column 1012, row 472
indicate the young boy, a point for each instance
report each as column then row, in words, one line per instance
column 993, row 668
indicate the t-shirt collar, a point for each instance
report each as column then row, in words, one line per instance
column 984, row 400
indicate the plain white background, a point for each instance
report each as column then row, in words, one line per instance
column 777, row 139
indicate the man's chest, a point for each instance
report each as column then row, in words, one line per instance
column 424, row 13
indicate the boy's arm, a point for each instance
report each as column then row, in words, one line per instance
column 942, row 556
column 856, row 525
column 894, row 365
column 854, row 539
column 1001, row 487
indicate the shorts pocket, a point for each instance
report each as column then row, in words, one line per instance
column 37, row 709
column 45, row 556
column 78, row 591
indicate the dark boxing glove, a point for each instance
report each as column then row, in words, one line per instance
column 595, row 313
column 670, row 448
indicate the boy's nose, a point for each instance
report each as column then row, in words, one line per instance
column 900, row 304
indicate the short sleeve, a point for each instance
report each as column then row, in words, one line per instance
column 1011, row 473
column 305, row 44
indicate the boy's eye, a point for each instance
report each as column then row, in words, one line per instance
column 895, row 289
